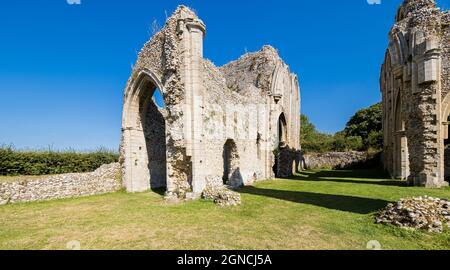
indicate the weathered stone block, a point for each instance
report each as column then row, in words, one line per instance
column 428, row 71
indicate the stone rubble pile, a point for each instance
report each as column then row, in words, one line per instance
column 221, row 195
column 427, row 213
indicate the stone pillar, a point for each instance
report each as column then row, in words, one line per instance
column 269, row 146
column 426, row 154
column 405, row 158
column 193, row 31
column 137, row 177
column 401, row 159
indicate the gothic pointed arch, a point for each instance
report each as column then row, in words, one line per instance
column 144, row 134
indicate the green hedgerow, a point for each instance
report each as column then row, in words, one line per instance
column 14, row 162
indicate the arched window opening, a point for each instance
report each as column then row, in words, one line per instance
column 158, row 99
column 282, row 129
column 231, row 170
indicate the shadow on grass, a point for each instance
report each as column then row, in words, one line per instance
column 336, row 202
column 160, row 191
column 372, row 177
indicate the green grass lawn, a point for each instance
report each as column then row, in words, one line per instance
column 314, row 210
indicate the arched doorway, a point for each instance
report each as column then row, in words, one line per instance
column 282, row 139
column 231, row 167
column 445, row 142
column 144, row 135
column 154, row 128
column 401, row 159
column 447, row 149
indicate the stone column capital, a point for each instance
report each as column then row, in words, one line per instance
column 195, row 25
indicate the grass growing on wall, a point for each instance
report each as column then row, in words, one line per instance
column 43, row 162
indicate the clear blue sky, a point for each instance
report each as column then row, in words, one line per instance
column 63, row 68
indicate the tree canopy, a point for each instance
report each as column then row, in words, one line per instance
column 313, row 140
column 365, row 121
column 362, row 132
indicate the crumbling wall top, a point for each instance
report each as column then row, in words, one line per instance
column 215, row 82
column 252, row 74
column 410, row 7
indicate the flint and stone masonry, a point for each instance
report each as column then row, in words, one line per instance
column 415, row 87
column 238, row 123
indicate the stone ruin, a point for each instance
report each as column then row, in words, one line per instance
column 415, row 87
column 231, row 125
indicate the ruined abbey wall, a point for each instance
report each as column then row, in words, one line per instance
column 221, row 124
column 415, row 90
column 105, row 179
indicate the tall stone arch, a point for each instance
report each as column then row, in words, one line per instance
column 445, row 115
column 170, row 61
column 295, row 110
column 445, row 140
column 140, row 170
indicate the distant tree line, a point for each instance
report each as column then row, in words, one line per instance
column 363, row 132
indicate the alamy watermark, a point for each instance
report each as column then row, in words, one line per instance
column 373, row 245
column 73, row 245
column 73, row 2
column 374, row 2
